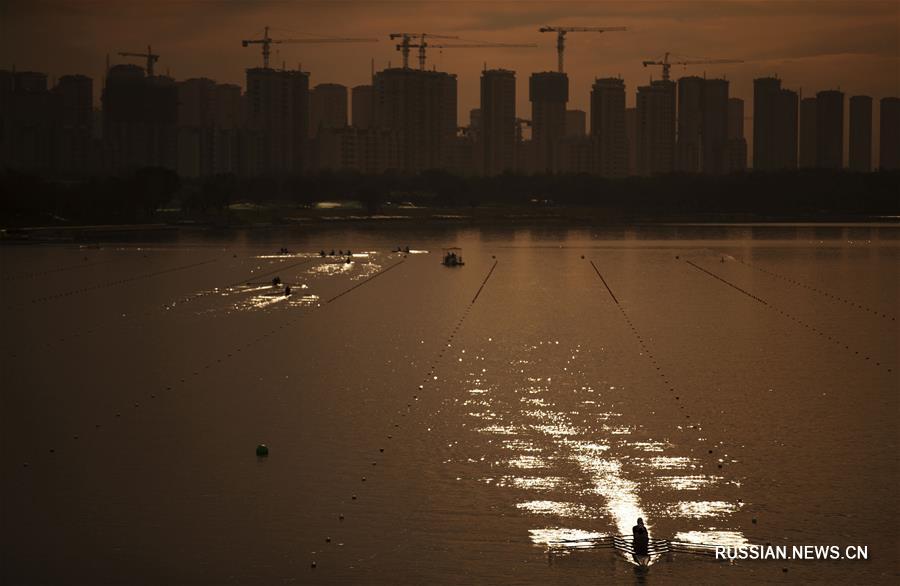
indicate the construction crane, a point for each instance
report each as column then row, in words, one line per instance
column 561, row 35
column 149, row 56
column 406, row 44
column 266, row 41
column 423, row 45
column 667, row 65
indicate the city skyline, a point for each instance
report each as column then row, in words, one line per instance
column 810, row 46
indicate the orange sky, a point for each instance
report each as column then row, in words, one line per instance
column 811, row 45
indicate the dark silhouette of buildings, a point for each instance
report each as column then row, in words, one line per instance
column 495, row 122
column 406, row 121
column 549, row 93
column 715, row 126
column 631, row 139
column 140, row 115
column 327, row 107
column 736, row 147
column 690, row 124
column 420, row 106
column 209, row 123
column 27, row 125
column 277, row 122
column 774, row 125
column 655, row 128
column 608, row 131
column 830, row 129
column 860, row 156
column 362, row 104
column 73, row 151
column 576, row 123
column 808, row 140
column 890, row 134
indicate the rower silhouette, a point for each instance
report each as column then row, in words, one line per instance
column 641, row 542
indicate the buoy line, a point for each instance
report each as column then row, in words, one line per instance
column 108, row 284
column 35, row 274
column 790, row 316
column 183, row 381
column 429, row 377
column 646, row 351
column 363, row 282
column 814, row 289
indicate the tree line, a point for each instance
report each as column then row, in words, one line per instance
column 152, row 194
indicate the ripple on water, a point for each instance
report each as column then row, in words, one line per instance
column 689, row 482
column 527, row 462
column 698, row 509
column 555, row 535
column 537, row 483
column 556, row 508
column 666, row 462
column 712, row 536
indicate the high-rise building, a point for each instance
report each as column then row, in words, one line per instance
column 25, row 121
column 73, row 121
column 196, row 121
column 690, row 124
column 420, row 106
column 576, row 123
column 860, row 156
column 277, row 115
column 774, row 125
column 497, row 121
column 715, row 126
column 735, row 118
column 608, row 127
column 140, row 116
column 807, row 133
column 656, row 128
column 889, row 140
column 549, row 93
column 327, row 107
column 631, row 139
column 367, row 150
column 830, row 129
column 736, row 148
column 786, row 126
column 361, row 100
column 575, row 154
column 227, row 124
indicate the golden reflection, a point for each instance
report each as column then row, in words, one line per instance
column 712, row 536
column 527, row 462
column 691, row 482
column 556, row 508
column 619, row 492
column 539, row 483
column 699, row 509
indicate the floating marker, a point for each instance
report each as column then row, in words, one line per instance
column 262, row 450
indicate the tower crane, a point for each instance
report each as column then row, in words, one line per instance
column 667, row 65
column 149, row 56
column 423, row 45
column 406, row 43
column 561, row 35
column 266, row 41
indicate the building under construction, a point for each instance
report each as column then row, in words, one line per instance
column 420, row 107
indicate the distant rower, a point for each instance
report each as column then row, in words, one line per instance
column 641, row 541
